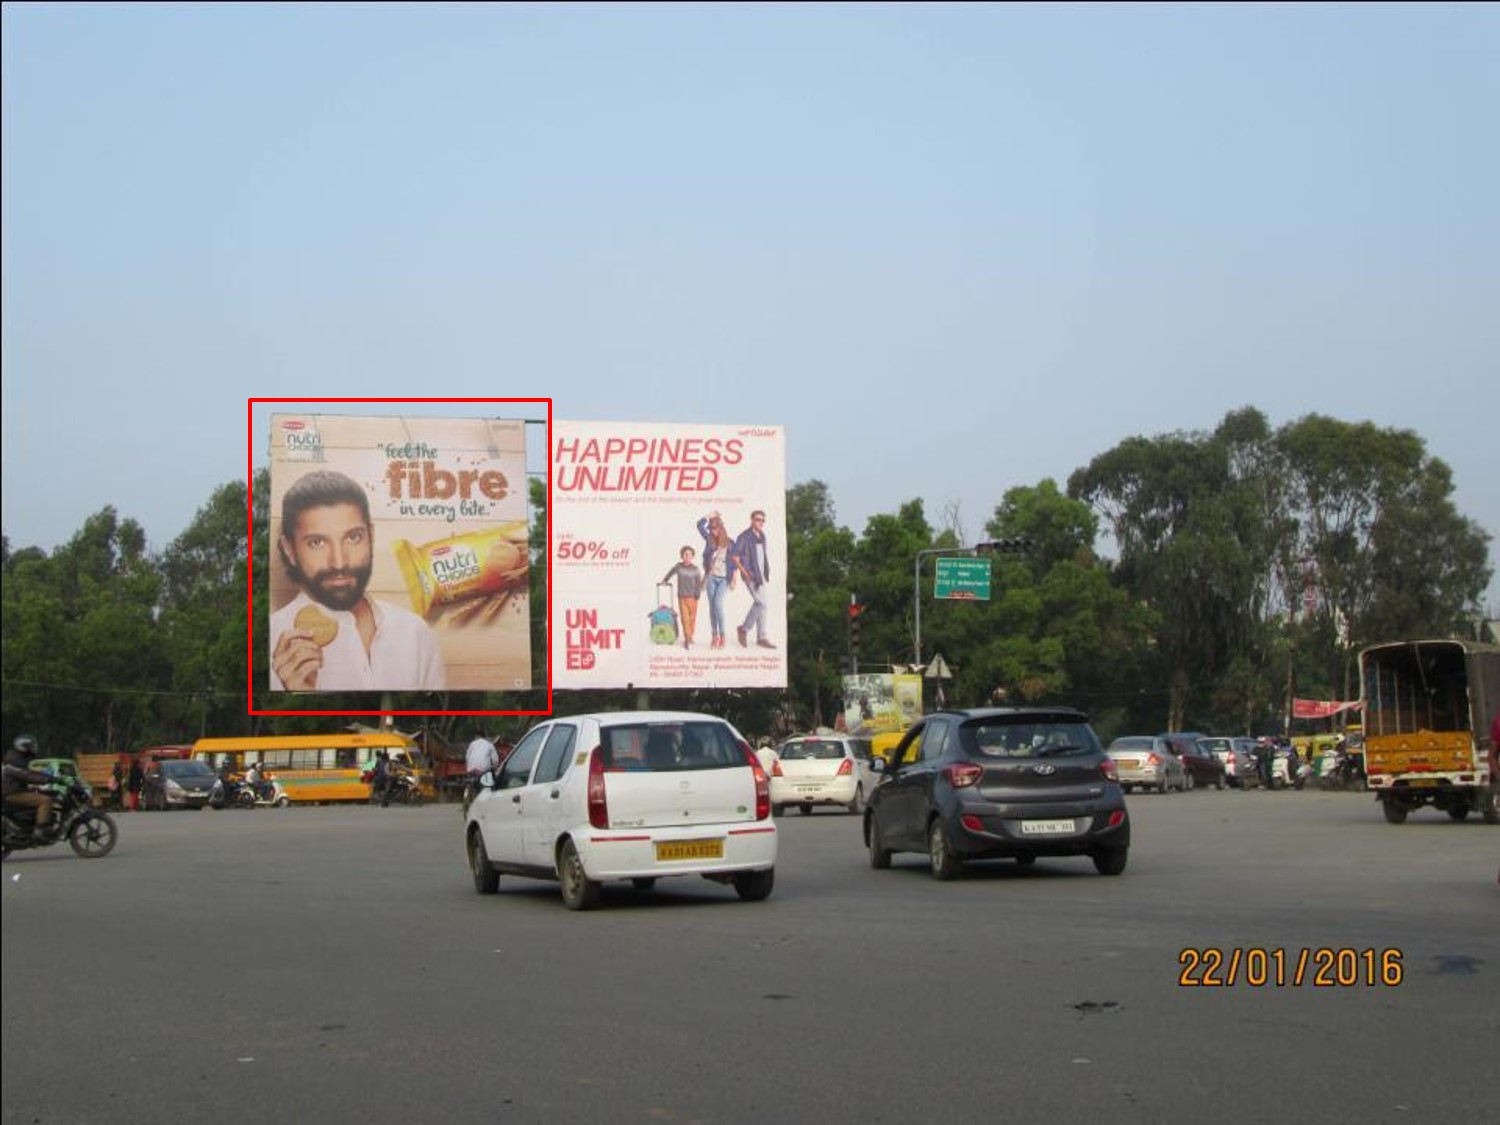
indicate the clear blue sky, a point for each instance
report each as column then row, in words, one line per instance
column 952, row 249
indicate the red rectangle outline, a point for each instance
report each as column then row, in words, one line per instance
column 250, row 541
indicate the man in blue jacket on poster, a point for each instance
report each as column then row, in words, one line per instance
column 749, row 561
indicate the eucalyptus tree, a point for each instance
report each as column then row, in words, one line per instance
column 1187, row 519
column 1379, row 539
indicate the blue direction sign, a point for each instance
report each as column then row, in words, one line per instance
column 963, row 579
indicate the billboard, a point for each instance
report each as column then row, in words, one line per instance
column 669, row 555
column 881, row 701
column 399, row 554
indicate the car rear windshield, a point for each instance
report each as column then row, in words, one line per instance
column 1133, row 743
column 812, row 748
column 185, row 768
column 674, row 746
column 1040, row 739
column 1217, row 745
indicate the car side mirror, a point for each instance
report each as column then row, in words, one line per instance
column 878, row 765
column 487, row 779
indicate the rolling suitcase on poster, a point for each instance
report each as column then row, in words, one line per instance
column 663, row 618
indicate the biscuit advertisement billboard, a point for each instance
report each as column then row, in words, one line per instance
column 669, row 555
column 399, row 554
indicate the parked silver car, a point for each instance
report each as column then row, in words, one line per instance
column 1147, row 762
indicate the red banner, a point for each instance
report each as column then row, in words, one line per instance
column 1323, row 708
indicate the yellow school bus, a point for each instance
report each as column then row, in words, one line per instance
column 317, row 768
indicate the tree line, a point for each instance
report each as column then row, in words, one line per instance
column 1247, row 564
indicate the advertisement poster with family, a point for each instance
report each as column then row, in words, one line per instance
column 669, row 555
column 399, row 554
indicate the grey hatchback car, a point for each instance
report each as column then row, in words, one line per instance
column 1012, row 783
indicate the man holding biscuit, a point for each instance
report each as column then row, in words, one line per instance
column 331, row 637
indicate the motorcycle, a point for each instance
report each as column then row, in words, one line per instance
column 1288, row 771
column 1342, row 770
column 400, row 789
column 233, row 795
column 90, row 832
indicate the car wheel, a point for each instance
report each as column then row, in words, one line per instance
column 778, row 810
column 857, row 805
column 1110, row 861
column 1188, row 782
column 806, row 810
column 486, row 878
column 1219, row 783
column 1395, row 812
column 755, row 886
column 880, row 856
column 644, row 883
column 579, row 892
column 1162, row 787
column 283, row 801
column 945, row 864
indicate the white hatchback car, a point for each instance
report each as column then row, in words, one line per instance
column 822, row 769
column 630, row 796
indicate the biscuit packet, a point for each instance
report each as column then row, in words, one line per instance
column 475, row 564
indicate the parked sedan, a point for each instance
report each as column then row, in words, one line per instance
column 1146, row 762
column 821, row 770
column 998, row 783
column 632, row 796
column 1203, row 769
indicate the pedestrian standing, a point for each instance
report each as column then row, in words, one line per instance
column 135, row 779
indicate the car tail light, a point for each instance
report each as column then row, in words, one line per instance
column 762, row 783
column 776, row 768
column 1107, row 768
column 1117, row 818
column 971, row 822
column 846, row 767
column 598, row 806
column 1153, row 760
column 961, row 775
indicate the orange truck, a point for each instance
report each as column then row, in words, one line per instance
column 1428, row 706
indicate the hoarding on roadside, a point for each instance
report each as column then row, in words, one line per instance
column 399, row 554
column 669, row 555
column 878, row 702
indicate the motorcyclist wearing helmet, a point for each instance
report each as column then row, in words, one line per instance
column 18, row 779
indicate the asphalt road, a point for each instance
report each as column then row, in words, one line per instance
column 336, row 965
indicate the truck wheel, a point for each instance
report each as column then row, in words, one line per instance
column 1458, row 811
column 1395, row 813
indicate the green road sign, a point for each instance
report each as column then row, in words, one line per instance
column 963, row 579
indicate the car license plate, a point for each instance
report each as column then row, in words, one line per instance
column 690, row 849
column 1046, row 828
column 1423, row 781
column 809, row 789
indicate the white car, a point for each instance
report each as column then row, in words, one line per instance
column 821, row 769
column 631, row 796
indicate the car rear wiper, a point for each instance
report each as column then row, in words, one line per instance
column 1048, row 751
